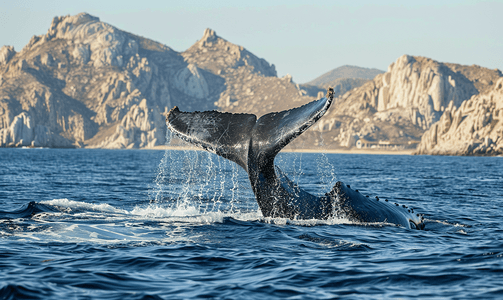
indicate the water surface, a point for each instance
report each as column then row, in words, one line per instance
column 110, row 224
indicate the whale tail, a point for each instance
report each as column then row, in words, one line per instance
column 232, row 136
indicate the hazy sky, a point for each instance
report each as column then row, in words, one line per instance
column 302, row 39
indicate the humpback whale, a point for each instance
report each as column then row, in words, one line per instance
column 254, row 143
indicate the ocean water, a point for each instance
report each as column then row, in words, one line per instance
column 112, row 224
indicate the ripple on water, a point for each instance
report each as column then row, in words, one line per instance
column 139, row 224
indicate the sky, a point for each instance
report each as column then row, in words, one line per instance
column 302, row 39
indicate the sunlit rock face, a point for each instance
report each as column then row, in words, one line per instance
column 420, row 85
column 192, row 82
column 247, row 83
column 6, row 53
column 473, row 128
column 86, row 83
column 398, row 106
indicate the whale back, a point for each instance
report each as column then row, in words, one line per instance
column 353, row 205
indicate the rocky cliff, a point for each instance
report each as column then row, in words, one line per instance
column 396, row 107
column 473, row 128
column 82, row 77
column 87, row 83
column 251, row 84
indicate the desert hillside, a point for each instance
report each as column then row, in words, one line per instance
column 86, row 83
column 341, row 79
column 394, row 109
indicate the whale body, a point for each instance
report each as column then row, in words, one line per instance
column 254, row 143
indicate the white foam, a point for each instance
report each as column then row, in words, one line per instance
column 445, row 222
column 65, row 203
column 190, row 214
column 156, row 211
column 106, row 224
column 184, row 213
column 309, row 222
column 187, row 214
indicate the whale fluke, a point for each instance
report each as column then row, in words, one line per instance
column 253, row 144
column 231, row 135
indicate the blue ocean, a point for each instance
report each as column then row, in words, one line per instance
column 172, row 224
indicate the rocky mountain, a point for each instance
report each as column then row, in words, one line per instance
column 251, row 84
column 83, row 78
column 341, row 79
column 397, row 107
column 340, row 86
column 345, row 72
column 86, row 83
column 474, row 128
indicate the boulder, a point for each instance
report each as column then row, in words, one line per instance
column 6, row 53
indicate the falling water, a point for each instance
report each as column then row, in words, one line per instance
column 325, row 168
column 209, row 183
column 201, row 181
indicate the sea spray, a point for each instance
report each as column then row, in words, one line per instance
column 235, row 187
column 161, row 181
column 193, row 180
column 189, row 180
column 324, row 168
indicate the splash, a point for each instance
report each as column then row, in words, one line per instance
column 199, row 182
column 196, row 182
column 325, row 168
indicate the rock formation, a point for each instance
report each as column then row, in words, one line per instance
column 6, row 53
column 250, row 83
column 215, row 54
column 86, row 83
column 398, row 106
column 474, row 128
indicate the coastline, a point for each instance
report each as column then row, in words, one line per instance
column 331, row 151
column 185, row 148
